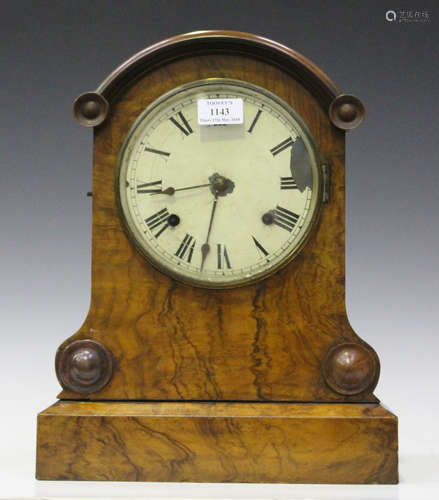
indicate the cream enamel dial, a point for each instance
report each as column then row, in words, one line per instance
column 218, row 206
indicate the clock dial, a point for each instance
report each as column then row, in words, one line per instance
column 218, row 205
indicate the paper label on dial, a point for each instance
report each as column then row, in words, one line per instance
column 224, row 111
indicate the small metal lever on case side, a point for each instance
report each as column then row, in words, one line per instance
column 326, row 170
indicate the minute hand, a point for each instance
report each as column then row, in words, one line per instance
column 170, row 190
column 205, row 247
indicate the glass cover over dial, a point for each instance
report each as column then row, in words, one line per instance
column 219, row 205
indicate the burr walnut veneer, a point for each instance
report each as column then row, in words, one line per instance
column 263, row 383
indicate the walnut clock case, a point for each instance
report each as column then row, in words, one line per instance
column 217, row 346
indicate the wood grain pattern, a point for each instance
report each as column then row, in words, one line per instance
column 215, row 442
column 220, row 385
column 263, row 342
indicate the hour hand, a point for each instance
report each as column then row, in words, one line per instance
column 171, row 190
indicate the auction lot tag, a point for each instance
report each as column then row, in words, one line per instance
column 220, row 111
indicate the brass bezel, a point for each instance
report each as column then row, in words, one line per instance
column 315, row 210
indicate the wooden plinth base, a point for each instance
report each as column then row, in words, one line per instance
column 218, row 442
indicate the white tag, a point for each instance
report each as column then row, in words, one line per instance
column 224, row 111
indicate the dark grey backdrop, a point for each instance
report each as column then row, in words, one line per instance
column 52, row 51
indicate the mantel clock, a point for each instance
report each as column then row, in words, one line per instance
column 217, row 346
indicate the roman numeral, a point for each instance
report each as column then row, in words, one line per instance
column 255, row 119
column 223, row 257
column 160, row 218
column 283, row 145
column 157, row 152
column 146, row 188
column 288, row 183
column 185, row 128
column 186, row 248
column 259, row 246
column 285, row 218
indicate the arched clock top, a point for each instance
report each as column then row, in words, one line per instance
column 346, row 112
